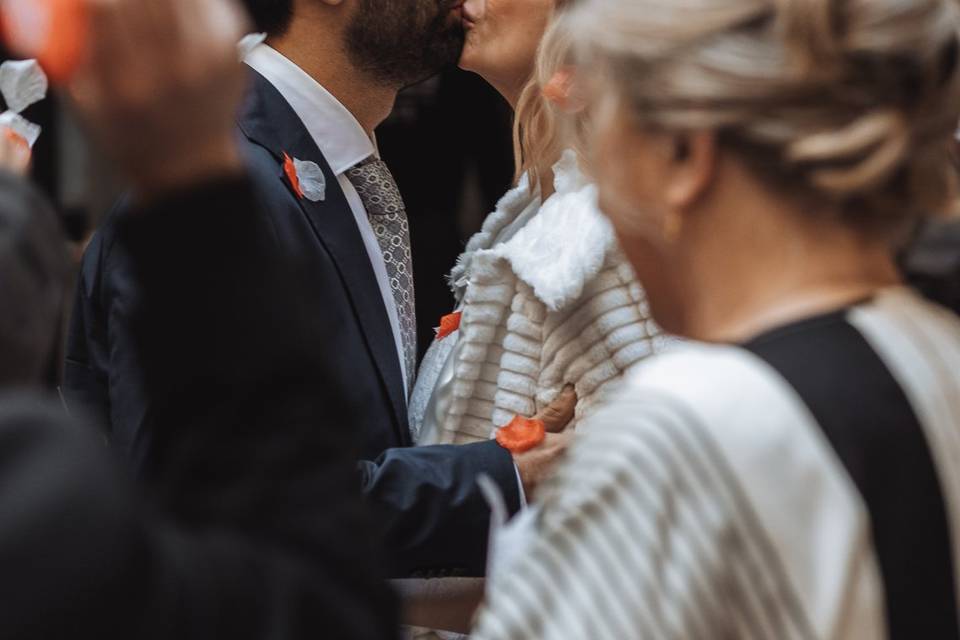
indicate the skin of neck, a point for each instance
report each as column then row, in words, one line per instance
column 752, row 260
column 314, row 42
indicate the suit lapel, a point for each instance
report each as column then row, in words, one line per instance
column 269, row 121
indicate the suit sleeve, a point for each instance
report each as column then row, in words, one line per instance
column 85, row 369
column 427, row 501
column 102, row 372
column 264, row 531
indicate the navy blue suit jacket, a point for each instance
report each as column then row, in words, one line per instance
column 428, row 507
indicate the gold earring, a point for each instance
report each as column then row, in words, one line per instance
column 672, row 226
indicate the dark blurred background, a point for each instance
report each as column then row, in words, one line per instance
column 448, row 143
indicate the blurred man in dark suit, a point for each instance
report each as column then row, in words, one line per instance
column 255, row 529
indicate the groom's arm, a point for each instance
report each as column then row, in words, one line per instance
column 434, row 518
column 429, row 508
column 255, row 457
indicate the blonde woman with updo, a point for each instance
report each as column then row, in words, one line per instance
column 544, row 298
column 795, row 473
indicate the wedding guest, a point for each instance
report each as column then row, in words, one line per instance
column 263, row 537
column 34, row 268
column 794, row 476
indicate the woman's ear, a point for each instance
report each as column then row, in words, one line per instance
column 694, row 166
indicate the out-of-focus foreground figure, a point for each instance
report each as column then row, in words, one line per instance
column 34, row 268
column 761, row 162
column 263, row 538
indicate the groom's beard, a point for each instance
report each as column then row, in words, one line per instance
column 401, row 42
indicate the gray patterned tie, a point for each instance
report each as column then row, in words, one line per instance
column 388, row 217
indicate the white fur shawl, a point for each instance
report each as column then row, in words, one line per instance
column 555, row 304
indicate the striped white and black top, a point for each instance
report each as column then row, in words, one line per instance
column 804, row 485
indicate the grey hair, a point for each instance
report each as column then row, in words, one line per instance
column 851, row 103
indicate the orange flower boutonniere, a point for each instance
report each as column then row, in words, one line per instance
column 290, row 170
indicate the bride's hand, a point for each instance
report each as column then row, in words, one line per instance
column 161, row 86
column 537, row 464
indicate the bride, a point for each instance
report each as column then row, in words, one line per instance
column 544, row 299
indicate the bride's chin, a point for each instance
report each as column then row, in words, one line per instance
column 468, row 58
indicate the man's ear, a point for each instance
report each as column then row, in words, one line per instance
column 694, row 166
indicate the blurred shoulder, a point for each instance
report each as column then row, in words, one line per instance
column 716, row 396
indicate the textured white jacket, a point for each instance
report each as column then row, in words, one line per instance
column 549, row 304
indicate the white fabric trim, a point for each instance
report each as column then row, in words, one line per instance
column 345, row 143
column 815, row 520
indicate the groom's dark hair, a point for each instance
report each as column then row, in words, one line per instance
column 270, row 16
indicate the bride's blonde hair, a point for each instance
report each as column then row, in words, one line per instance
column 541, row 132
column 849, row 103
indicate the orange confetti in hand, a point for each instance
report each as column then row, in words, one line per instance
column 16, row 139
column 20, row 151
column 53, row 31
column 449, row 324
column 522, row 434
column 290, row 170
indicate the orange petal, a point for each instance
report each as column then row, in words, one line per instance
column 16, row 138
column 290, row 170
column 522, row 434
column 449, row 324
column 557, row 90
column 61, row 46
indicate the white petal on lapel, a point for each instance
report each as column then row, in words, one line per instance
column 312, row 182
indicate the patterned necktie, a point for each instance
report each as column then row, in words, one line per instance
column 388, row 217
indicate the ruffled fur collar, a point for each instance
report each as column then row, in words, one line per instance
column 558, row 251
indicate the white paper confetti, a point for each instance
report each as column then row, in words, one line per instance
column 22, row 83
column 20, row 126
column 312, row 183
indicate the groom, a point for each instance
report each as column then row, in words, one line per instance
column 325, row 78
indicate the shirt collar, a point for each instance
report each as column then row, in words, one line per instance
column 335, row 131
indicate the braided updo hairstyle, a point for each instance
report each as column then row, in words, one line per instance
column 850, row 104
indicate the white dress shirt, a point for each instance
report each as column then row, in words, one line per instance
column 344, row 144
